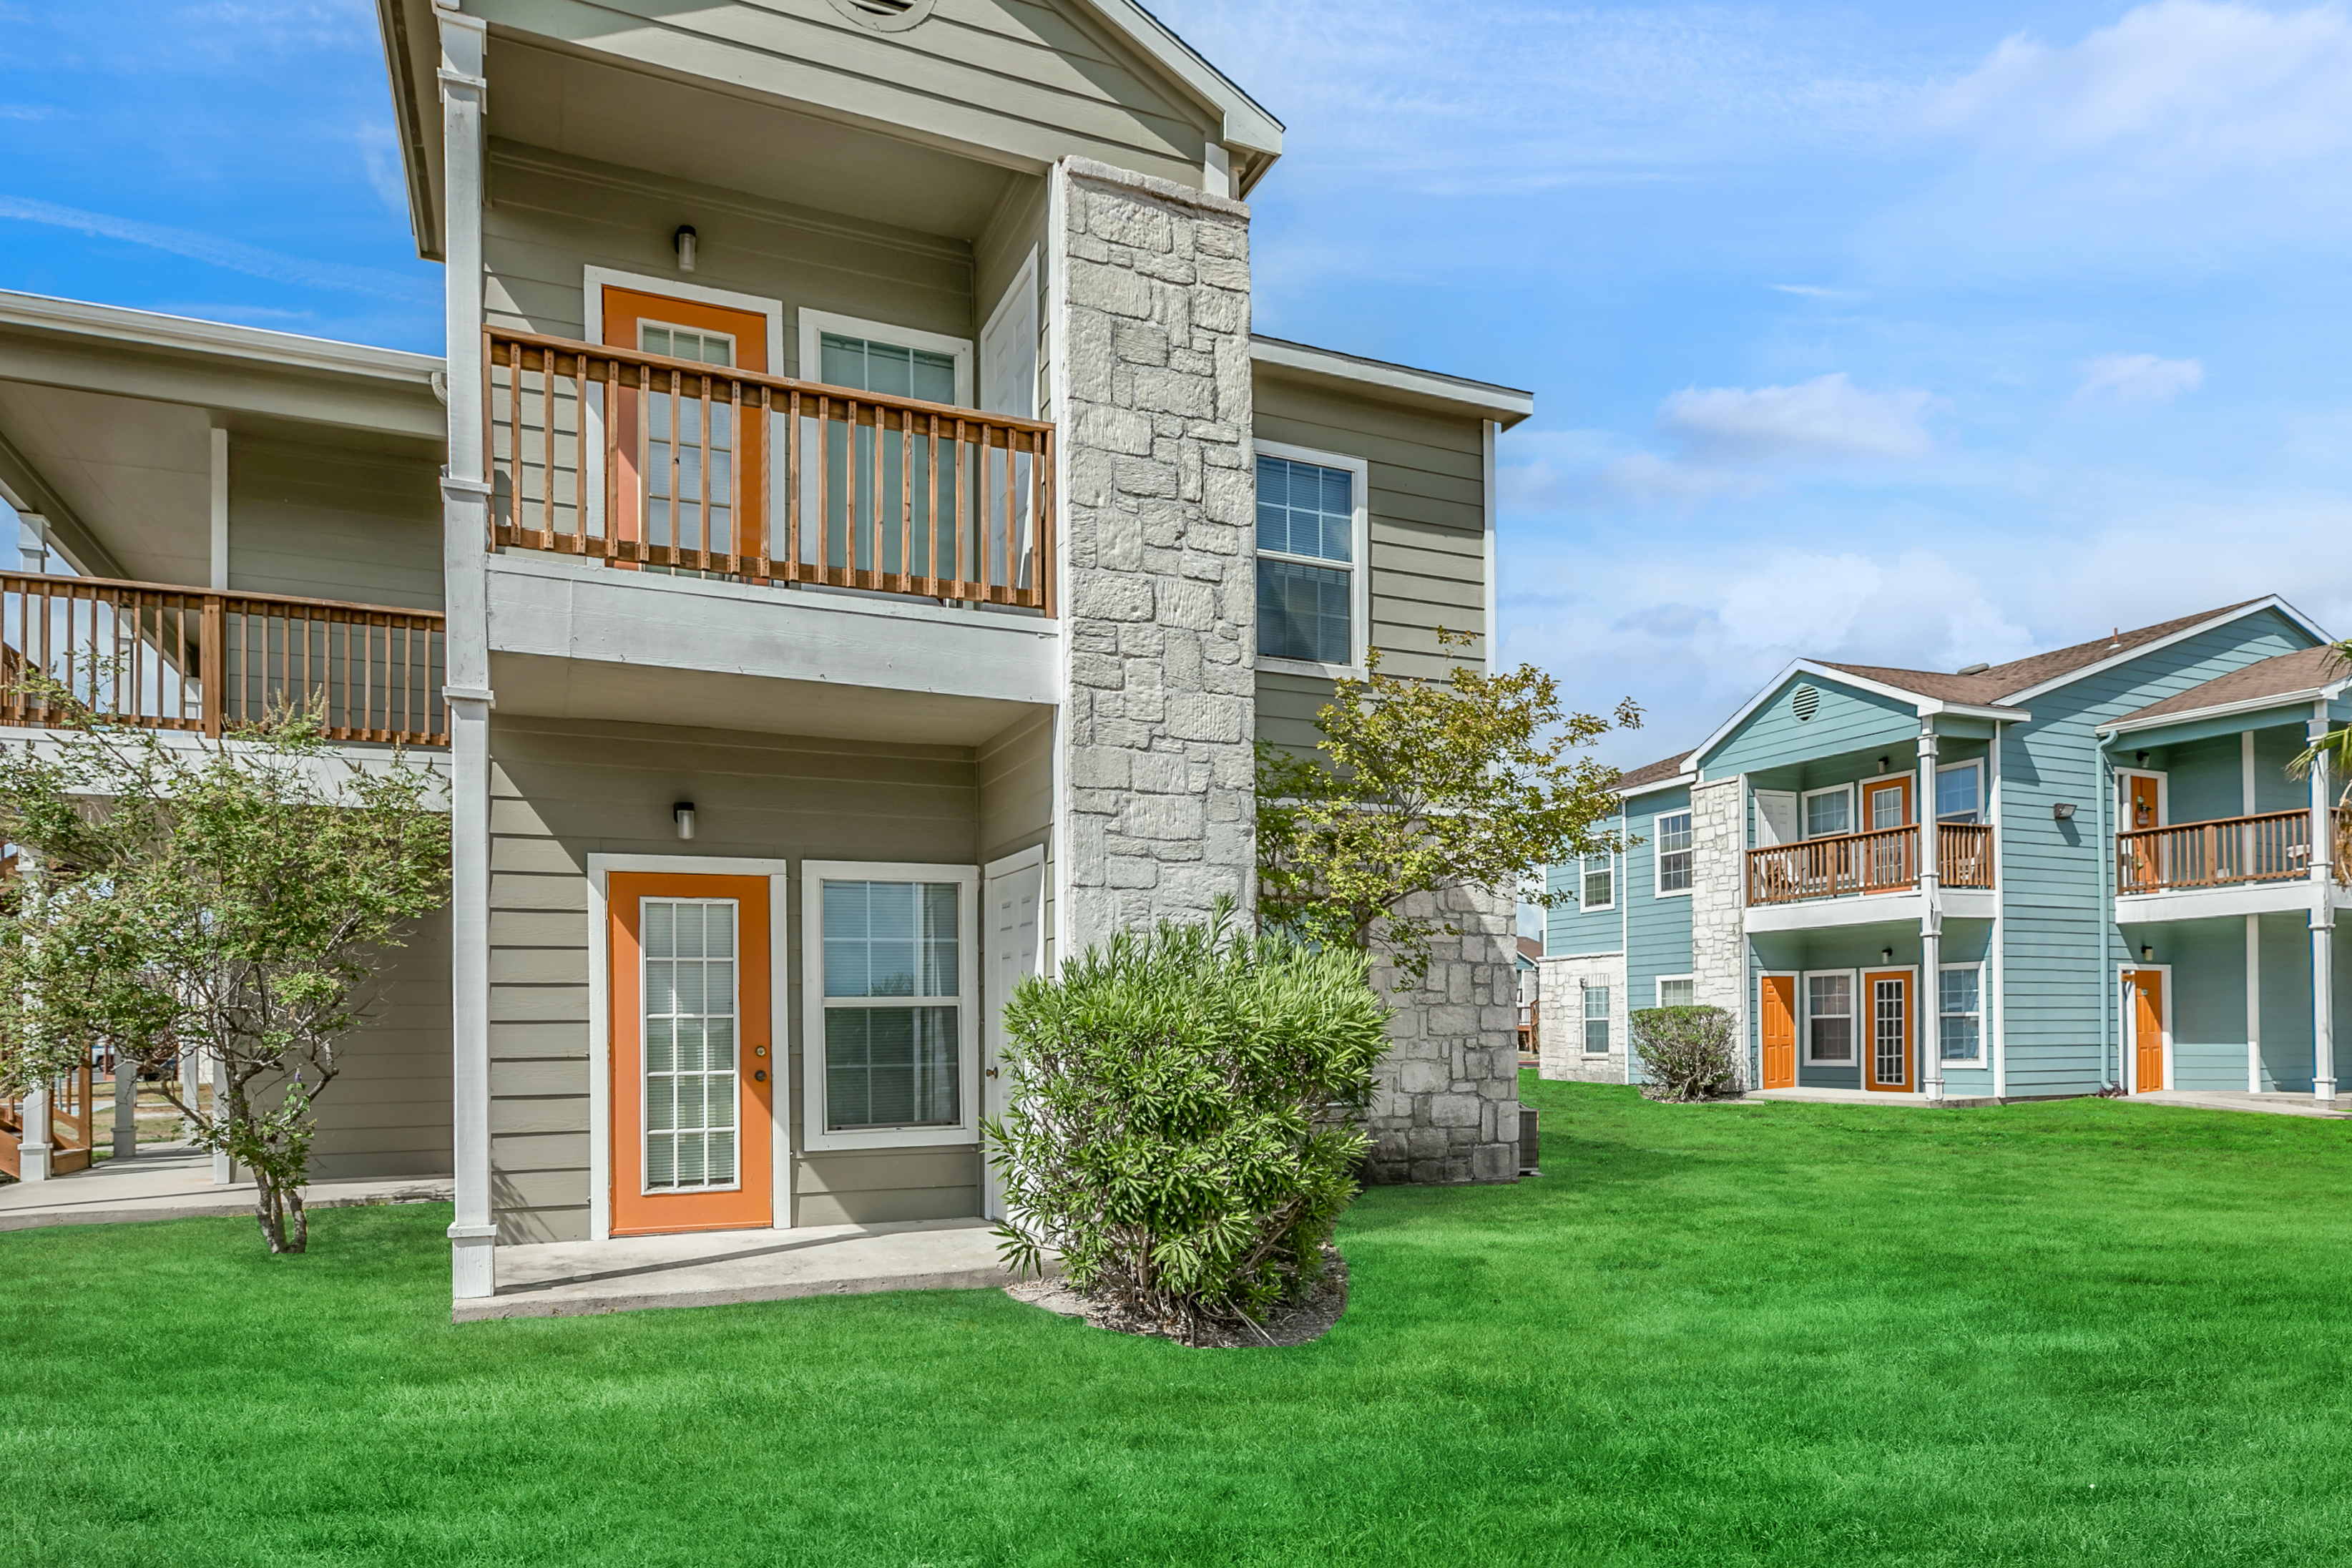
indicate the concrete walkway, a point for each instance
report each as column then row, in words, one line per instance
column 1858, row 1096
column 570, row 1278
column 2239, row 1100
column 172, row 1181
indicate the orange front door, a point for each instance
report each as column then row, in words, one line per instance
column 1886, row 1022
column 2142, row 804
column 2144, row 990
column 1886, row 803
column 1776, row 1019
column 687, row 479
column 693, row 1062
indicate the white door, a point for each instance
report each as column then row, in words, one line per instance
column 1008, row 348
column 1776, row 817
column 1015, row 898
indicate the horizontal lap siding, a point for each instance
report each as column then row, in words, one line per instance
column 1016, row 810
column 551, row 216
column 334, row 523
column 2208, row 962
column 1847, row 719
column 563, row 790
column 1038, row 81
column 2062, row 945
column 1571, row 929
column 388, row 1111
column 1657, row 930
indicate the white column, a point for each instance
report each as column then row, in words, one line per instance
column 2254, row 1003
column 126, row 1107
column 1996, row 1002
column 33, row 1153
column 2322, row 918
column 1929, row 1007
column 1217, row 170
column 224, row 1168
column 464, row 511
column 220, row 509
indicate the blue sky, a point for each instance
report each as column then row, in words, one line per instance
column 1907, row 335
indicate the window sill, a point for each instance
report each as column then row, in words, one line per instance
column 1273, row 666
column 893, row 1138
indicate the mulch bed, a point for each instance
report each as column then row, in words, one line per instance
column 1298, row 1323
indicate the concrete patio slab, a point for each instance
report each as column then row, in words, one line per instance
column 2271, row 1104
column 173, row 1181
column 571, row 1278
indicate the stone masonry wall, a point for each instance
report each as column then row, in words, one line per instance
column 1448, row 1105
column 1561, row 1046
column 1718, row 932
column 1160, row 519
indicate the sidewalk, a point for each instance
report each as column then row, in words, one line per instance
column 173, row 1181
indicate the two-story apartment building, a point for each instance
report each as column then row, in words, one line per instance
column 2087, row 869
column 843, row 562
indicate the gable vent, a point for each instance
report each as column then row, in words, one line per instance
column 886, row 15
column 1804, row 702
column 885, row 7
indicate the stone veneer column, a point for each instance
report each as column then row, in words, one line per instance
column 1560, row 1046
column 1159, row 550
column 1448, row 1105
column 1718, row 931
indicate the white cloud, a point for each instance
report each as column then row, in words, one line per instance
column 1815, row 291
column 228, row 252
column 380, row 153
column 1826, row 418
column 2137, row 381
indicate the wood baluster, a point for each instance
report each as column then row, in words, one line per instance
column 932, row 509
column 823, row 477
column 793, row 484
column 873, row 576
column 906, row 500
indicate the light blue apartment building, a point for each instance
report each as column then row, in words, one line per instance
column 2089, row 868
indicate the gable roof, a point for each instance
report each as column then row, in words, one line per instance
column 1530, row 949
column 1507, row 405
column 2311, row 672
column 1660, row 772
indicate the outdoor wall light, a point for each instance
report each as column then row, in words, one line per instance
column 2147, row 954
column 1885, row 955
column 684, row 240
column 684, row 814
column 2063, row 811
column 1882, row 764
column 2143, row 759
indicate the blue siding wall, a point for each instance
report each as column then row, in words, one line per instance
column 2061, row 945
column 1848, row 720
column 2208, row 959
column 1572, row 930
column 1657, row 930
column 2205, row 778
column 1858, row 947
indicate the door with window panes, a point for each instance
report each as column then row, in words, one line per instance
column 692, row 474
column 693, row 1059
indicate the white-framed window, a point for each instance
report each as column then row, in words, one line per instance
column 1596, row 1020
column 691, row 993
column 879, row 356
column 1959, row 1013
column 1314, row 574
column 1829, row 1018
column 1672, row 834
column 1598, row 888
column 1959, row 792
column 1827, row 812
column 890, row 986
column 1677, row 990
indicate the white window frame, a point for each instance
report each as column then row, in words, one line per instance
column 1981, row 1059
column 1805, row 979
column 1804, row 811
column 1583, row 868
column 1658, row 854
column 599, row 1023
column 1975, row 765
column 594, row 280
column 1608, row 1022
column 814, row 1135
column 814, row 323
column 1360, row 569
column 1659, row 982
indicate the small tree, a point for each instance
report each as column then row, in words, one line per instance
column 1423, row 785
column 231, row 899
column 1685, row 1053
column 1184, row 1130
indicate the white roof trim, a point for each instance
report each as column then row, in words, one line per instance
column 2272, row 603
column 1920, row 704
column 1654, row 785
column 1505, row 403
column 2329, row 693
column 185, row 335
column 1247, row 123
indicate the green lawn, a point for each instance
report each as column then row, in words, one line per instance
column 2082, row 1332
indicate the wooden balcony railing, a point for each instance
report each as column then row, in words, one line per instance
column 638, row 458
column 71, row 1133
column 160, row 657
column 2272, row 846
column 1964, row 854
column 1875, row 862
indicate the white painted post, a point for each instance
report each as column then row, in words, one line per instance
column 2323, row 917
column 126, row 1107
column 2253, row 1004
column 465, row 512
column 33, row 1153
column 1928, row 1027
column 1996, row 1005
column 220, row 509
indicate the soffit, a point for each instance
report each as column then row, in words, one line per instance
column 137, row 474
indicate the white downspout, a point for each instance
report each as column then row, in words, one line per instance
column 1997, row 1005
column 1931, row 1007
column 2323, row 916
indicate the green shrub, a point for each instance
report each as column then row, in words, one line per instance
column 1687, row 1053
column 1186, row 1119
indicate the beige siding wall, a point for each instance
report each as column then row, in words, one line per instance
column 334, row 523
column 387, row 1113
column 562, row 791
column 1016, row 810
column 1034, row 80
column 1428, row 531
column 549, row 217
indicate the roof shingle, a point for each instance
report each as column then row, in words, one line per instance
column 2306, row 669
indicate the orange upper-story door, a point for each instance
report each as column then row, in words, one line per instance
column 2144, row 990
column 1892, row 862
column 1886, row 1020
column 691, row 466
column 1776, row 1020
column 2143, row 802
column 694, row 1059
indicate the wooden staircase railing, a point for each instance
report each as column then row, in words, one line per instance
column 72, row 1127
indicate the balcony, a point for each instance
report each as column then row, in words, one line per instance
column 1885, row 860
column 2226, row 852
column 151, row 656
column 641, row 461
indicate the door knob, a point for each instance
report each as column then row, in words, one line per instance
column 759, row 1077
column 992, row 1072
